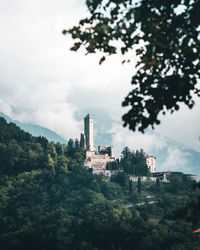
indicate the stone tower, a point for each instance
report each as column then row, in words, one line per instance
column 83, row 141
column 88, row 132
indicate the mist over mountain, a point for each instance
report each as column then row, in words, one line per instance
column 188, row 160
column 37, row 130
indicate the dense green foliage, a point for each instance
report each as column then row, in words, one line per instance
column 20, row 152
column 132, row 163
column 165, row 36
column 191, row 212
column 49, row 202
column 139, row 185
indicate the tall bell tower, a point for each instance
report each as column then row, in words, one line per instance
column 88, row 131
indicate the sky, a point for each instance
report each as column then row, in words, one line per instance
column 43, row 82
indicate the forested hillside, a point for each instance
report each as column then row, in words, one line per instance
column 49, row 202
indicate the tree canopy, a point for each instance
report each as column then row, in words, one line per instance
column 166, row 37
column 131, row 162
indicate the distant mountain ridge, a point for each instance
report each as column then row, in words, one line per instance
column 36, row 130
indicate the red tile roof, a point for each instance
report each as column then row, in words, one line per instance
column 197, row 231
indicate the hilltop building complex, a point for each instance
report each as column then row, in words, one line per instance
column 97, row 161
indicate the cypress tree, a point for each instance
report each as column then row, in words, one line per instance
column 158, row 183
column 139, row 185
column 131, row 187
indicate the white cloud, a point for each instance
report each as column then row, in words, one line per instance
column 38, row 72
column 176, row 160
column 46, row 105
column 5, row 107
column 122, row 137
column 35, row 73
column 183, row 126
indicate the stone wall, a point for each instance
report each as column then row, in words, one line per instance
column 97, row 162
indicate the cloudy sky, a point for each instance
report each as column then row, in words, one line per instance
column 42, row 82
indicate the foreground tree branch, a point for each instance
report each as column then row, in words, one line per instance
column 168, row 68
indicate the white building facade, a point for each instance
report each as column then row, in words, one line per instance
column 151, row 163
